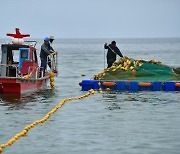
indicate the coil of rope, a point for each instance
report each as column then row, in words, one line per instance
column 44, row 119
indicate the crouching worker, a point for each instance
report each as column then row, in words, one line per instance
column 113, row 50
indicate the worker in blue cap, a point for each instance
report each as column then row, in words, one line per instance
column 45, row 52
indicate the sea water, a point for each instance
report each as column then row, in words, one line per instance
column 128, row 123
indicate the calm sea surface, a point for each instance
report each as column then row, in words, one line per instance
column 107, row 123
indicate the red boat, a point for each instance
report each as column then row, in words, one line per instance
column 19, row 69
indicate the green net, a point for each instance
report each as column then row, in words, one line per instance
column 142, row 70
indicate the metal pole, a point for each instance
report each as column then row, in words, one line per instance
column 104, row 58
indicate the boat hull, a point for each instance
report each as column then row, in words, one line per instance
column 20, row 85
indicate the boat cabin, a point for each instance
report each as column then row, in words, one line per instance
column 17, row 59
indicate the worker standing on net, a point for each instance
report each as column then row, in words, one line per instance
column 113, row 50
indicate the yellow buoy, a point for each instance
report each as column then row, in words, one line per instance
column 108, row 89
column 2, row 146
column 128, row 62
column 126, row 68
column 125, row 64
column 113, row 67
column 120, row 61
column 137, row 63
column 51, row 74
column 126, row 57
column 131, row 68
column 26, row 76
column 140, row 64
column 52, row 84
column 122, row 68
column 52, row 79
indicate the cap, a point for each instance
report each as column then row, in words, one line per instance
column 46, row 39
column 51, row 37
column 113, row 42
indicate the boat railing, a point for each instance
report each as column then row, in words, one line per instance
column 7, row 70
column 35, row 72
column 32, row 71
column 52, row 60
column 33, row 43
column 39, row 73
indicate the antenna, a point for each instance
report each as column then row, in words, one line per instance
column 17, row 37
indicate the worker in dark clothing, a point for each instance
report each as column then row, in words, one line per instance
column 51, row 39
column 45, row 52
column 113, row 50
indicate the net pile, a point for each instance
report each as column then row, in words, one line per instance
column 142, row 70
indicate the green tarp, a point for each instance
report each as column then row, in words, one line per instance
column 140, row 70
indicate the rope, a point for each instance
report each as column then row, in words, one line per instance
column 43, row 120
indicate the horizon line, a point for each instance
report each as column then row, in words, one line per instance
column 103, row 38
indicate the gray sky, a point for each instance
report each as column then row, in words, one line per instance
column 91, row 18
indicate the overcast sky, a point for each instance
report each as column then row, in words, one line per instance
column 91, row 18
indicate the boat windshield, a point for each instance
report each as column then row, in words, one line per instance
column 15, row 57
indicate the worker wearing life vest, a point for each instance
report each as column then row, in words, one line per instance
column 113, row 50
